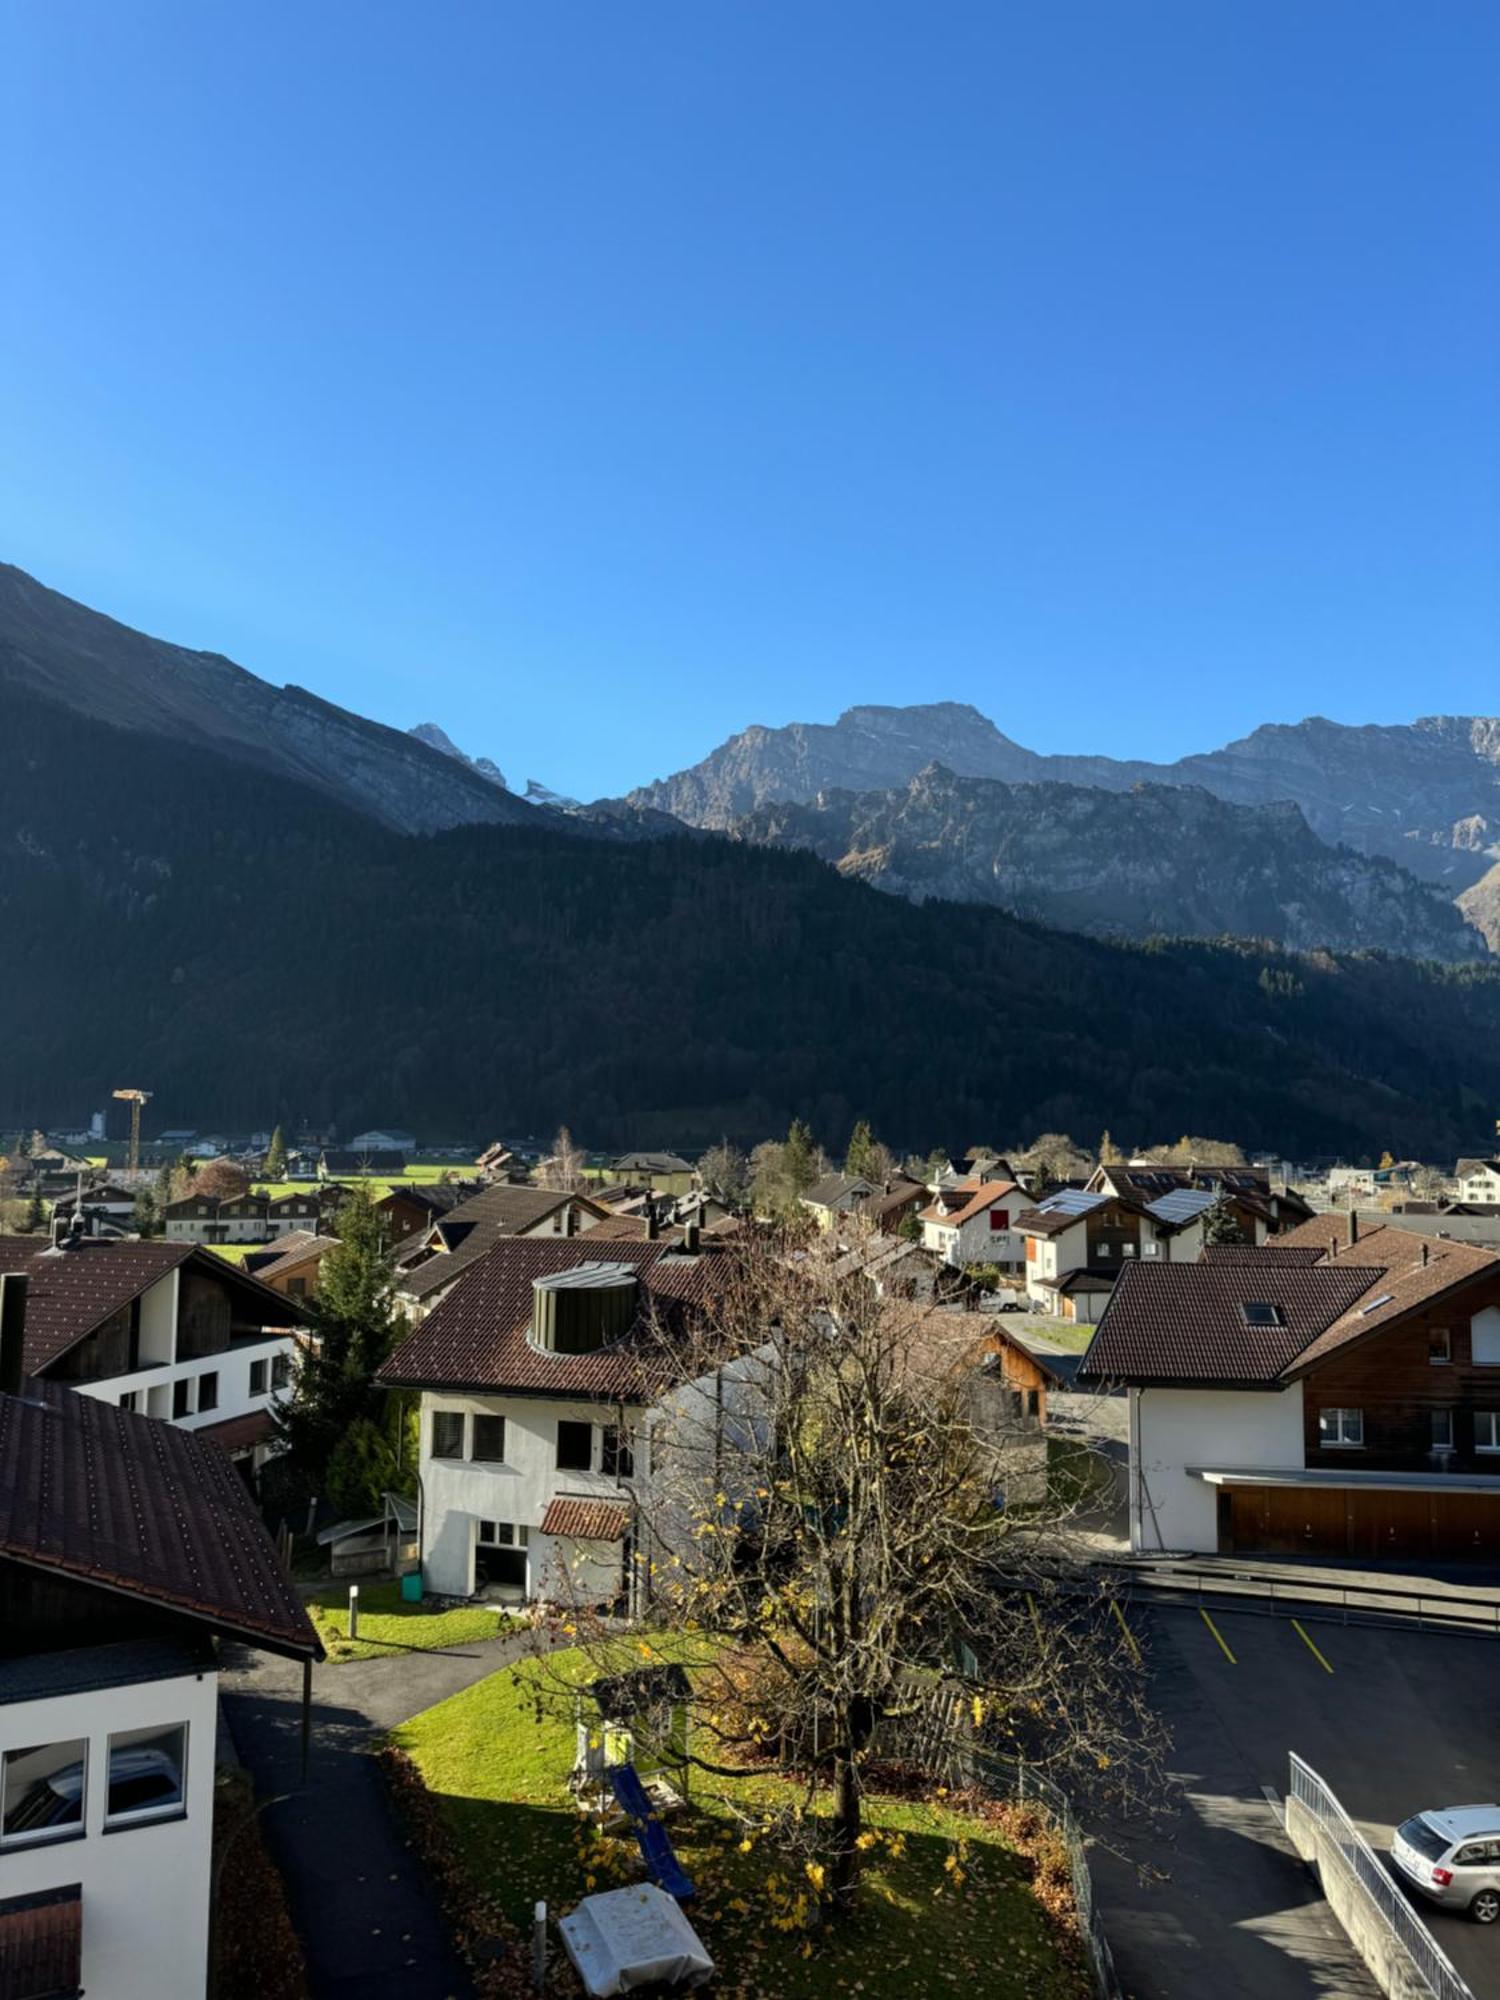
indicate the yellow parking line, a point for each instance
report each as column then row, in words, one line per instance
column 1297, row 1623
column 1223, row 1643
column 1130, row 1640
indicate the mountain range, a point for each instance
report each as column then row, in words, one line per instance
column 263, row 918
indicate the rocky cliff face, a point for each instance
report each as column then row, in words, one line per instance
column 437, row 738
column 74, row 657
column 1156, row 859
column 1426, row 794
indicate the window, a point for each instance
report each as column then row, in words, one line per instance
column 575, row 1447
column 487, row 1435
column 1442, row 1430
column 41, row 1792
column 128, row 1400
column 182, row 1398
column 208, row 1391
column 281, row 1371
column 447, row 1434
column 1261, row 1312
column 260, row 1377
column 147, row 1768
column 1341, row 1427
column 1439, row 1346
column 1487, row 1430
column 616, row 1456
column 296, row 1288
column 502, row 1535
column 999, row 1219
column 1484, row 1333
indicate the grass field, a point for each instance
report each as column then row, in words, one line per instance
column 423, row 1174
column 236, row 1253
column 388, row 1626
column 947, row 1902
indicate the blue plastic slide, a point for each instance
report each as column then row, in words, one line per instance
column 666, row 1870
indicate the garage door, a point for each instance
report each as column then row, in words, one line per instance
column 1395, row 1525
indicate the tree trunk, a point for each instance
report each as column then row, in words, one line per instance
column 847, row 1812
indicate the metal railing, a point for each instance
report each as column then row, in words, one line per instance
column 1019, row 1782
column 1320, row 1596
column 1345, row 1848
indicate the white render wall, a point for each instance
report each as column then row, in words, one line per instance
column 457, row 1493
column 146, row 1887
column 1171, row 1429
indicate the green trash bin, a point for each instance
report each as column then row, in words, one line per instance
column 411, row 1588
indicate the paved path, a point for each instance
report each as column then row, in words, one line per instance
column 367, row 1915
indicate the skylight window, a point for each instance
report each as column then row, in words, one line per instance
column 1260, row 1312
column 1375, row 1305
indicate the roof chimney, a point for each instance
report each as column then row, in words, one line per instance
column 1354, row 1225
column 651, row 1223
column 13, row 1286
column 1426, row 1252
column 690, row 1239
column 570, row 1220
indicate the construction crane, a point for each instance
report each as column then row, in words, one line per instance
column 135, row 1099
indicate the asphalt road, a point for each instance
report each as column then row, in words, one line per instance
column 1393, row 1721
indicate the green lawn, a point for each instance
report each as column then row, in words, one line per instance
column 234, row 1253
column 388, row 1626
column 946, row 1902
column 419, row 1175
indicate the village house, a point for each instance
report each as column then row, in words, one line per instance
column 290, row 1266
column 1320, row 1395
column 1478, row 1182
column 538, row 1377
column 417, row 1204
column 435, row 1256
column 835, row 1195
column 303, row 1208
column 973, row 1222
column 668, row 1173
column 166, row 1329
column 127, row 1549
column 1078, row 1242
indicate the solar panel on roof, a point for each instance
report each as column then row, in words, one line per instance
column 1182, row 1204
column 1070, row 1201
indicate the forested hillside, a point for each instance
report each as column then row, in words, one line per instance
column 252, row 951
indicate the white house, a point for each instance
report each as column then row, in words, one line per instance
column 1078, row 1242
column 537, row 1418
column 974, row 1222
column 1478, row 1181
column 109, row 1691
column 164, row 1329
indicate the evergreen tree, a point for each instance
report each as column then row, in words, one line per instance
column 860, row 1159
column 1220, row 1226
column 799, row 1160
column 276, row 1156
column 354, row 1324
column 145, row 1217
column 36, row 1215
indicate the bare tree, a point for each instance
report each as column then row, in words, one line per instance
column 848, row 1535
column 563, row 1169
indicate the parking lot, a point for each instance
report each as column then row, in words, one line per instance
column 1394, row 1721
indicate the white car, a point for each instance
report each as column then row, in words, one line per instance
column 1452, row 1855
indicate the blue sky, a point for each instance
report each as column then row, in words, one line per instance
column 598, row 379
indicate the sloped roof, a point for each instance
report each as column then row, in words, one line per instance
column 74, row 1290
column 297, row 1249
column 982, row 1197
column 585, row 1520
column 1402, row 1271
column 142, row 1507
column 476, row 1338
column 835, row 1188
column 1184, row 1323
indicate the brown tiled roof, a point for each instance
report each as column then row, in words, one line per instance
column 1183, row 1323
column 1261, row 1253
column 476, row 1338
column 72, row 1291
column 297, row 1249
column 143, row 1507
column 1402, row 1271
column 587, row 1520
column 41, row 1945
column 984, row 1196
column 239, row 1433
column 1053, row 1221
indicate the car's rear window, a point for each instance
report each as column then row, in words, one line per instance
column 1424, row 1838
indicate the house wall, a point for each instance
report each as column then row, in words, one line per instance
column 458, row 1493
column 1392, row 1380
column 146, row 1887
column 1053, row 1257
column 1171, row 1429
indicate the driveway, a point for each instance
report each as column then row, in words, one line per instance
column 359, row 1898
column 1393, row 1720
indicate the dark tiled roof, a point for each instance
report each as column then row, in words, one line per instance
column 834, row 1188
column 239, row 1433
column 1278, row 1249
column 297, row 1249
column 1402, row 1271
column 650, row 1163
column 587, row 1520
column 145, row 1508
column 73, row 1291
column 976, row 1199
column 41, row 1945
column 476, row 1337
column 1183, row 1323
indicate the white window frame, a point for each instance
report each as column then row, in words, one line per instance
column 504, row 1535
column 1489, row 1419
column 145, row 1815
column 1445, row 1418
column 44, row 1836
column 1336, row 1438
column 449, row 1457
